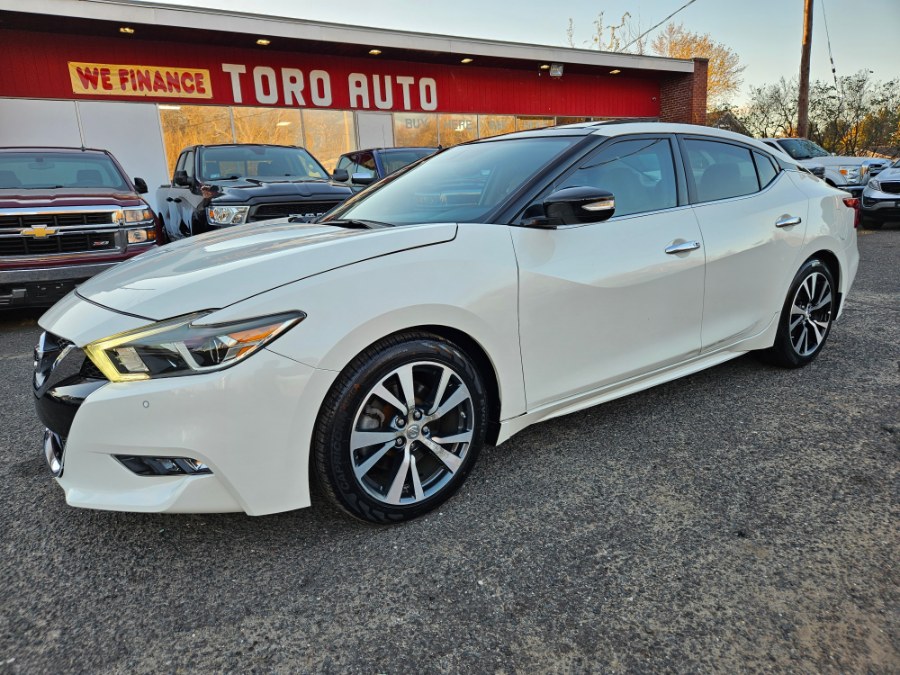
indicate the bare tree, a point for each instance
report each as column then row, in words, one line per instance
column 613, row 38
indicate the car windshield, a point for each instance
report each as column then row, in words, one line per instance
column 394, row 160
column 896, row 164
column 462, row 184
column 261, row 162
column 43, row 170
column 801, row 148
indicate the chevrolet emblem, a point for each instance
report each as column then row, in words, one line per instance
column 38, row 232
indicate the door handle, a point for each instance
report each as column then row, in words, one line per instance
column 788, row 221
column 683, row 247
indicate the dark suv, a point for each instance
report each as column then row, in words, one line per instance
column 65, row 215
column 363, row 167
column 217, row 186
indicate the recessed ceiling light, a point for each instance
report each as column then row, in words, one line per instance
column 262, row 42
column 283, row 124
column 545, row 66
column 374, row 52
column 615, row 71
column 165, row 106
column 467, row 60
column 128, row 30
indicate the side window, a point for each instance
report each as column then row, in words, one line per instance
column 189, row 164
column 343, row 163
column 367, row 164
column 721, row 170
column 765, row 169
column 639, row 173
column 179, row 165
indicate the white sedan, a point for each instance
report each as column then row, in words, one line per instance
column 494, row 285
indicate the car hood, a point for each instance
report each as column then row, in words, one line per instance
column 19, row 198
column 245, row 190
column 831, row 161
column 893, row 173
column 217, row 269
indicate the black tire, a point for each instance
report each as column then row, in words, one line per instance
column 353, row 408
column 805, row 322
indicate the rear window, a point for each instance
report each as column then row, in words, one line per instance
column 51, row 170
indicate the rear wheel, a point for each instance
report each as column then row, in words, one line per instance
column 400, row 429
column 806, row 317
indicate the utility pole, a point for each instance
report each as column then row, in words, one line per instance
column 803, row 102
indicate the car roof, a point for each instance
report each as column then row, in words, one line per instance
column 51, row 148
column 612, row 128
column 392, row 147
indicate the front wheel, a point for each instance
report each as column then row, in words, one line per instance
column 806, row 317
column 400, row 429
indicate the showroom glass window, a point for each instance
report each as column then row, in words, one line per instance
column 639, row 173
column 328, row 134
column 185, row 125
column 456, row 129
column 276, row 126
column 415, row 129
column 721, row 170
column 494, row 125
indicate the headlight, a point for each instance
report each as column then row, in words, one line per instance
column 227, row 215
column 177, row 347
column 133, row 215
column 851, row 173
column 875, row 184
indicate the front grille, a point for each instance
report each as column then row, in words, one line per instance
column 66, row 242
column 57, row 219
column 286, row 209
column 57, row 361
column 892, row 187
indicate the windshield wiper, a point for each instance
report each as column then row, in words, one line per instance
column 356, row 223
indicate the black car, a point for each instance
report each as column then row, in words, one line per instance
column 363, row 167
column 215, row 186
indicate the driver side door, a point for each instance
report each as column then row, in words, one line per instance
column 604, row 302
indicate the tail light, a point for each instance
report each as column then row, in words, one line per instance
column 853, row 203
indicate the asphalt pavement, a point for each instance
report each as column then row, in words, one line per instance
column 742, row 519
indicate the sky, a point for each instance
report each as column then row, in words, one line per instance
column 765, row 34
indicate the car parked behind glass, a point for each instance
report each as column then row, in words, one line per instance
column 493, row 285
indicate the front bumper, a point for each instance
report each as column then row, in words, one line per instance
column 881, row 205
column 43, row 287
column 250, row 424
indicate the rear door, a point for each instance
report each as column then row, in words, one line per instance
column 753, row 220
column 603, row 302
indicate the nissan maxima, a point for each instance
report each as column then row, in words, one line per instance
column 494, row 285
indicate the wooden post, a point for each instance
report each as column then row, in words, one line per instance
column 803, row 100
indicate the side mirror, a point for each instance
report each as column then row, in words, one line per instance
column 181, row 179
column 141, row 186
column 340, row 175
column 572, row 206
column 363, row 178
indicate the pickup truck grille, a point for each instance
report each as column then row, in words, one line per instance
column 892, row 187
column 57, row 219
column 67, row 242
column 285, row 209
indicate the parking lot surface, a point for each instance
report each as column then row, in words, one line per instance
column 742, row 519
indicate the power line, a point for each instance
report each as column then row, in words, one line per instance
column 828, row 40
column 687, row 4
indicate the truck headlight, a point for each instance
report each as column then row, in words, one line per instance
column 851, row 173
column 177, row 347
column 227, row 215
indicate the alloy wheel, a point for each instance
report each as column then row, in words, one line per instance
column 810, row 316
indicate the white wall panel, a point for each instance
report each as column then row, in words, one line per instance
column 33, row 122
column 131, row 132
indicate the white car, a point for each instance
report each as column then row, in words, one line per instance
column 496, row 284
column 881, row 198
column 847, row 173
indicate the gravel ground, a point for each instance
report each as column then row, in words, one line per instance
column 742, row 519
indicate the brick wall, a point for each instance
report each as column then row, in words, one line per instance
column 682, row 98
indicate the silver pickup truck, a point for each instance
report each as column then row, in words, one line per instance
column 847, row 173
